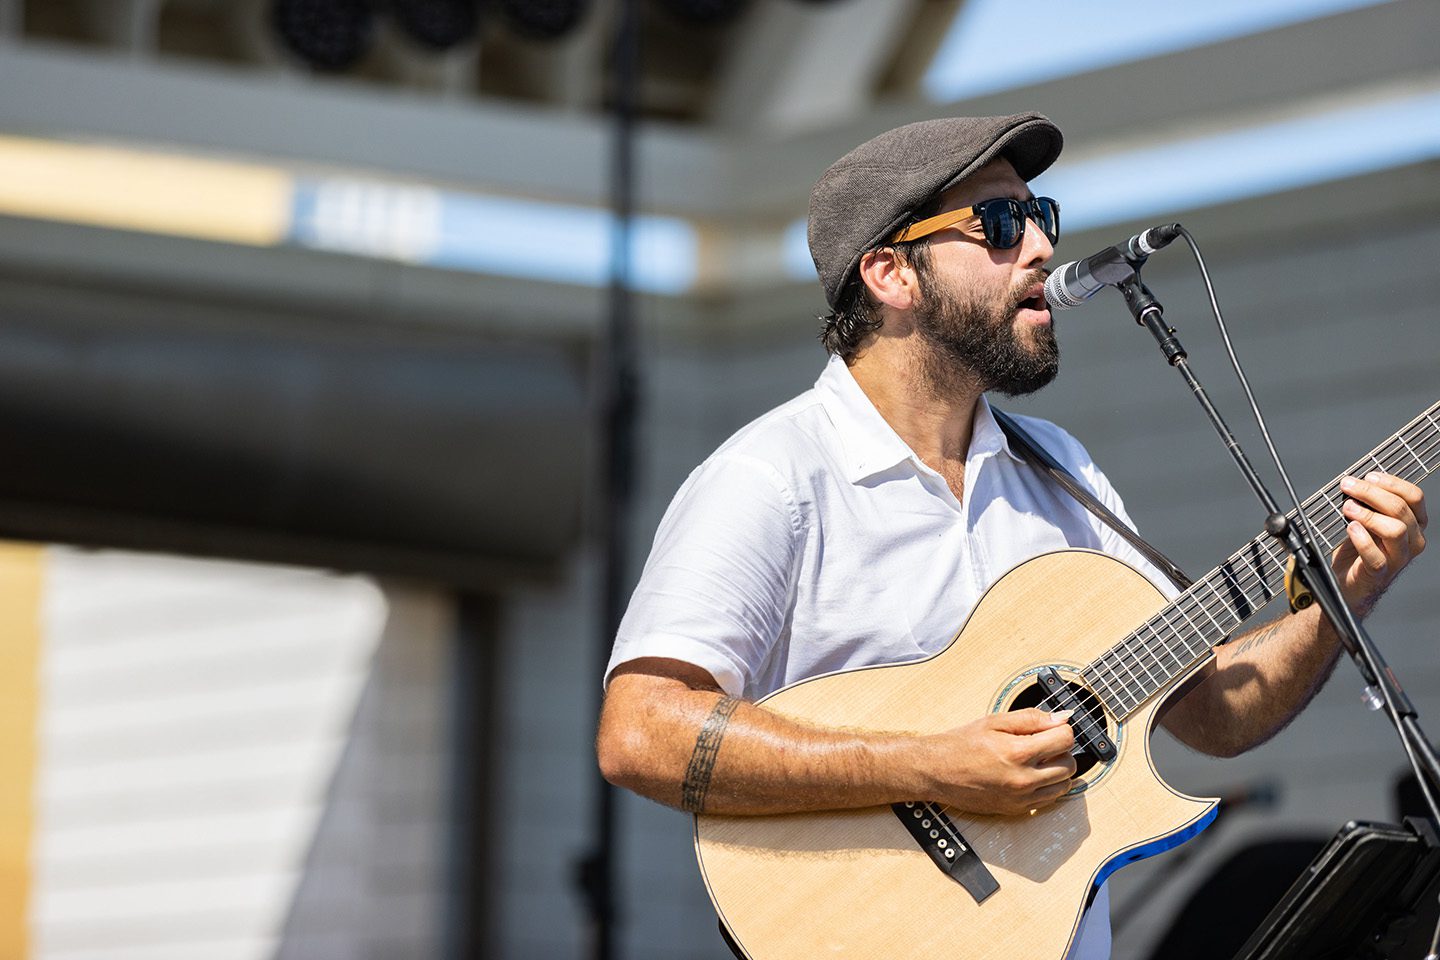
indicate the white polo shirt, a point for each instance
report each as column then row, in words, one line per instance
column 815, row 540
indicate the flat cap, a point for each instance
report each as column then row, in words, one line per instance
column 869, row 193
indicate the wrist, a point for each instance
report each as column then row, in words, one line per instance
column 902, row 768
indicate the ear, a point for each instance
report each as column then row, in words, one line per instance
column 890, row 278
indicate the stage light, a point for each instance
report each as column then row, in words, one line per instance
column 437, row 24
column 710, row 12
column 544, row 19
column 327, row 34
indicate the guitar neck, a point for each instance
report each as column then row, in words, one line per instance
column 1185, row 632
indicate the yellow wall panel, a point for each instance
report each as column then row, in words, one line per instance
column 21, row 576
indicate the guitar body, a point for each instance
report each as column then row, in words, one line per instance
column 855, row 884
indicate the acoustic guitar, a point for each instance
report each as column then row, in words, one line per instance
column 1078, row 629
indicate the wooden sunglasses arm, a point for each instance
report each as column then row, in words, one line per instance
column 934, row 224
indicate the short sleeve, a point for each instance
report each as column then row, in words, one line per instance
column 717, row 588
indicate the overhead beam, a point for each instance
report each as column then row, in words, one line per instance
column 64, row 92
column 801, row 66
column 558, row 154
column 1179, row 94
column 128, row 25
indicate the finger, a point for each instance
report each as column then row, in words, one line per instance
column 1055, row 769
column 1390, row 497
column 1405, row 490
column 1381, row 525
column 1367, row 549
column 1050, row 743
column 1048, row 794
column 1029, row 721
column 1377, row 494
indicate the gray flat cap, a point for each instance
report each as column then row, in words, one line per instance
column 870, row 192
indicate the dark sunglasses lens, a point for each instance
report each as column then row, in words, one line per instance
column 1003, row 222
column 1046, row 213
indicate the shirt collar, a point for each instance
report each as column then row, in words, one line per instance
column 871, row 445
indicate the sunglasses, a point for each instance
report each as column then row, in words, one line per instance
column 1003, row 220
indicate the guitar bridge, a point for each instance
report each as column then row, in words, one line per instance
column 941, row 840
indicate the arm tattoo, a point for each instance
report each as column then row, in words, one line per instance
column 1264, row 636
column 702, row 761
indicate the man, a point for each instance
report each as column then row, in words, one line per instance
column 860, row 523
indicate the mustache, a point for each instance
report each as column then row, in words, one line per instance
column 1020, row 292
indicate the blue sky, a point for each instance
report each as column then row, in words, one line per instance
column 985, row 51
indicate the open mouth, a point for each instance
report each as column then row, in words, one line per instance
column 1036, row 300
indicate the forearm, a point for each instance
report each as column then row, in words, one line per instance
column 700, row 750
column 1256, row 685
column 1258, row 682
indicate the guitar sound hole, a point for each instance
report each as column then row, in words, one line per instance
column 1033, row 694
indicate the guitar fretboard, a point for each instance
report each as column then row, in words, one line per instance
column 1184, row 633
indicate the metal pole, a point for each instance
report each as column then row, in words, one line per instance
column 617, row 387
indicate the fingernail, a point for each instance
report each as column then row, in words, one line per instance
column 1347, row 483
column 1059, row 716
column 1373, row 475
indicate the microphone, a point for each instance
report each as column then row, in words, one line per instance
column 1077, row 281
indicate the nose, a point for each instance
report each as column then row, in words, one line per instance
column 1035, row 247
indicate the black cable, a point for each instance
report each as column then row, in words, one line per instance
column 1300, row 517
column 1426, row 787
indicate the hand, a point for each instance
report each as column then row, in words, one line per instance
column 1008, row 763
column 1386, row 530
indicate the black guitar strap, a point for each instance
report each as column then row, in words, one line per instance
column 1041, row 460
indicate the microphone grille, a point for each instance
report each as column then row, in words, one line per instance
column 1056, row 294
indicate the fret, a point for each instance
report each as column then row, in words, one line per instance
column 1410, row 450
column 1116, row 693
column 1273, row 552
column 1108, row 694
column 1133, row 670
column 1326, row 541
column 1219, row 630
column 1124, row 701
column 1259, row 552
column 1155, row 658
column 1428, row 446
column 1124, row 648
column 1182, row 613
column 1181, row 635
column 1232, row 584
column 1100, row 689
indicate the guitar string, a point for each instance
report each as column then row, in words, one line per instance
column 1390, row 450
column 1326, row 531
column 952, row 834
column 1328, row 528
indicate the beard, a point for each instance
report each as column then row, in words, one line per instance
column 972, row 337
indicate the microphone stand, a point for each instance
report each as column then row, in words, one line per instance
column 1294, row 533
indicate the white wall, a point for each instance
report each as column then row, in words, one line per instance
column 238, row 761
